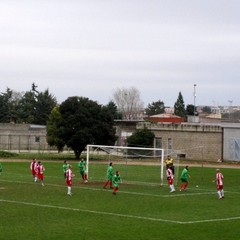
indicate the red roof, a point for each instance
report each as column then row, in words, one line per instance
column 165, row 117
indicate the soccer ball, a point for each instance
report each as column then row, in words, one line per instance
column 196, row 186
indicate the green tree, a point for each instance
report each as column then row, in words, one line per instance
column 53, row 131
column 44, row 104
column 141, row 138
column 206, row 109
column 83, row 122
column 114, row 110
column 26, row 110
column 35, row 107
column 155, row 108
column 179, row 107
column 190, row 110
column 6, row 106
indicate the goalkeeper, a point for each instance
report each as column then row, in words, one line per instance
column 169, row 163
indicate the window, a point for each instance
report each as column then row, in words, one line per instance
column 169, row 144
column 158, row 142
column 37, row 139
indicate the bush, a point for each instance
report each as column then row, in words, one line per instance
column 4, row 154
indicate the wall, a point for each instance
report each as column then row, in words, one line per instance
column 194, row 141
column 22, row 137
column 231, row 147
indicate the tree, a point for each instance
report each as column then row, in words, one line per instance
column 155, row 108
column 35, row 107
column 114, row 110
column 52, row 129
column 83, row 122
column 44, row 104
column 6, row 106
column 190, row 110
column 141, row 138
column 128, row 102
column 206, row 109
column 179, row 107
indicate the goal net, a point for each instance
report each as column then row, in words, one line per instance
column 137, row 165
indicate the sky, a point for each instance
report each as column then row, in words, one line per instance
column 91, row 48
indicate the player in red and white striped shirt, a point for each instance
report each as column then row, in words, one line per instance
column 219, row 182
column 41, row 170
column 69, row 176
column 34, row 169
column 170, row 178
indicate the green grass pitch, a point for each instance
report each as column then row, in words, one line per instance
column 141, row 210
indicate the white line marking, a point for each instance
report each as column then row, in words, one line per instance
column 89, row 211
column 120, row 215
column 124, row 192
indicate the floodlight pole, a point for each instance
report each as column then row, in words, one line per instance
column 194, row 108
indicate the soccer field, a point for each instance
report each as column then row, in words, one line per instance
column 141, row 210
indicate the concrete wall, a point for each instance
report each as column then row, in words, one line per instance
column 231, row 147
column 190, row 141
column 22, row 137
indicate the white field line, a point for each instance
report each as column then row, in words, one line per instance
column 182, row 194
column 119, row 215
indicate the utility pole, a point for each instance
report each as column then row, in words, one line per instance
column 194, row 108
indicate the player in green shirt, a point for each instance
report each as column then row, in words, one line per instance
column 109, row 176
column 82, row 169
column 184, row 179
column 65, row 167
column 116, row 179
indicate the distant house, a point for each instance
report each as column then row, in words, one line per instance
column 22, row 137
column 164, row 118
column 192, row 141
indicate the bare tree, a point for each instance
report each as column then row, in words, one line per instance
column 129, row 103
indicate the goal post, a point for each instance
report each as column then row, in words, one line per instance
column 129, row 154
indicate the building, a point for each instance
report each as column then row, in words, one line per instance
column 22, row 137
column 191, row 141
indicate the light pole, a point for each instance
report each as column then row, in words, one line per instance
column 194, row 108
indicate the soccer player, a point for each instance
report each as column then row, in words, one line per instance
column 170, row 179
column 82, row 170
column 109, row 176
column 219, row 182
column 116, row 179
column 69, row 176
column 40, row 171
column 169, row 163
column 34, row 169
column 184, row 179
column 65, row 167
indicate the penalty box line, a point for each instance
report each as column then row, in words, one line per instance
column 117, row 214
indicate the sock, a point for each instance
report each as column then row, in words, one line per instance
column 106, row 183
column 222, row 193
column 219, row 194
